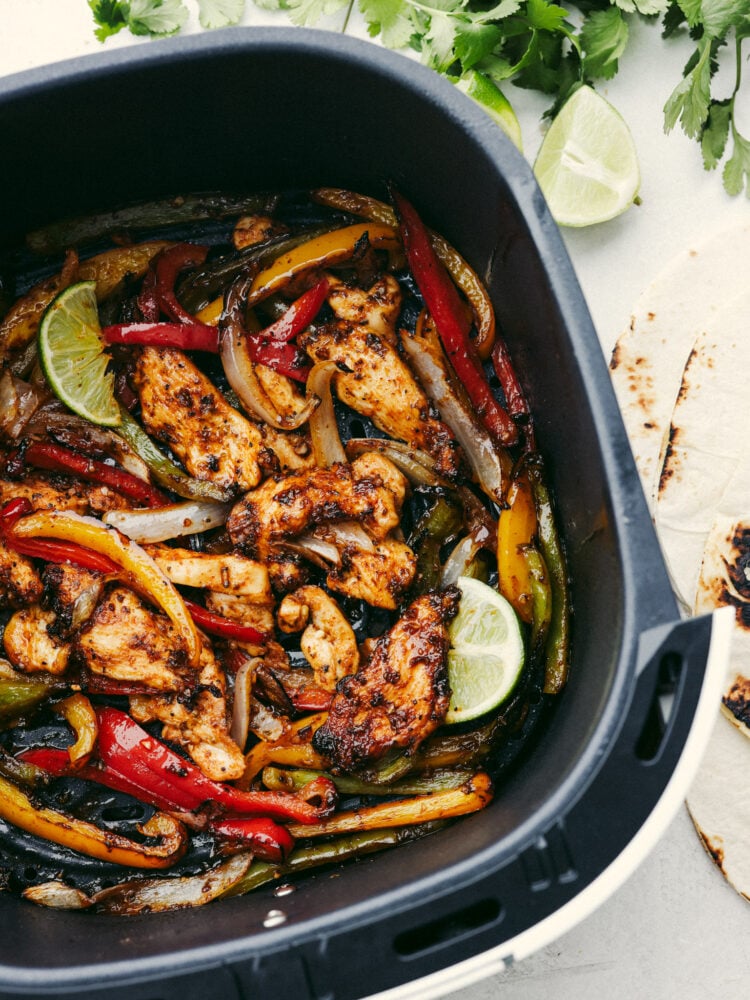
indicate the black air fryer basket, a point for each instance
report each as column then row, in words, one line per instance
column 249, row 110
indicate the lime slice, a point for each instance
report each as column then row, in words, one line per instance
column 587, row 166
column 481, row 89
column 486, row 655
column 73, row 357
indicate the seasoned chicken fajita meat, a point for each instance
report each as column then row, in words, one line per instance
column 19, row 581
column 127, row 641
column 286, row 506
column 183, row 409
column 374, row 381
column 400, row 695
column 198, row 722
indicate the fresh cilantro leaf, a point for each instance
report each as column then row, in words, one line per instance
column 220, row 13
column 716, row 132
column 109, row 16
column 736, row 175
column 156, row 17
column 391, row 19
column 544, row 15
column 439, row 39
column 307, row 13
column 604, row 37
column 716, row 17
column 646, row 7
column 689, row 101
column 475, row 40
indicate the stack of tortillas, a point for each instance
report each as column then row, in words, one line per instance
column 681, row 373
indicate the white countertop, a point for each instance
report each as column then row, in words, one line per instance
column 675, row 929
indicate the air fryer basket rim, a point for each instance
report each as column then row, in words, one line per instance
column 646, row 606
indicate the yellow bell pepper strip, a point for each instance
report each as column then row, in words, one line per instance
column 516, row 531
column 321, row 251
column 79, row 713
column 557, row 647
column 471, row 796
column 462, row 273
column 20, row 324
column 18, row 808
column 50, row 551
column 142, row 571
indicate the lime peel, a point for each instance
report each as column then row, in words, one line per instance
column 487, row 653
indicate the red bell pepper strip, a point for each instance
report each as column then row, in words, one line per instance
column 272, row 346
column 192, row 336
column 218, row 625
column 57, row 762
column 167, row 266
column 286, row 359
column 55, row 458
column 48, row 549
column 267, row 840
column 148, row 300
column 299, row 315
column 127, row 747
column 447, row 310
column 515, row 399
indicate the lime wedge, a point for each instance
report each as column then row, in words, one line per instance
column 73, row 357
column 587, row 166
column 487, row 653
column 489, row 96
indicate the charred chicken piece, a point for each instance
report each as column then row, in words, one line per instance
column 31, row 647
column 377, row 307
column 286, row 506
column 328, row 641
column 199, row 722
column 183, row 409
column 231, row 573
column 20, row 584
column 400, row 695
column 58, row 492
column 72, row 593
column 126, row 641
column 374, row 381
column 380, row 576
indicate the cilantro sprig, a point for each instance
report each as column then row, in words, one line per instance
column 534, row 44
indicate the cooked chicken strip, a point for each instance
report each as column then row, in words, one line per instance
column 244, row 611
column 375, row 382
column 19, row 581
column 328, row 642
column 377, row 307
column 284, row 450
column 182, row 408
column 72, row 594
column 58, row 492
column 199, row 725
column 288, row 505
column 29, row 645
column 380, row 577
column 127, row 641
column 400, row 695
column 232, row 573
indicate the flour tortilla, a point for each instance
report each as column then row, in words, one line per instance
column 649, row 357
column 719, row 805
column 706, row 445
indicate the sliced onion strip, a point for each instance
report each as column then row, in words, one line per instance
column 324, row 431
column 162, row 523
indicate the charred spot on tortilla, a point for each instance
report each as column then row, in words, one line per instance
column 738, row 565
column 737, row 699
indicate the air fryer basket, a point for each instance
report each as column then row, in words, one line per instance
column 269, row 109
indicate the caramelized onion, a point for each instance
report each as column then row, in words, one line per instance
column 324, row 431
